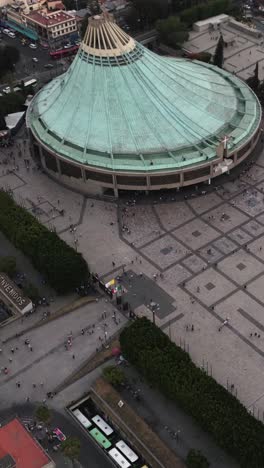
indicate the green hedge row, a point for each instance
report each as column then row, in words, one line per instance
column 62, row 267
column 171, row 370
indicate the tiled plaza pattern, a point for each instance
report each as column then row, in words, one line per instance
column 199, row 261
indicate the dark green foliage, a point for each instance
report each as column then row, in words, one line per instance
column 43, row 414
column 149, row 11
column 219, row 53
column 253, row 81
column 172, row 31
column 71, row 448
column 12, row 102
column 170, row 369
column 205, row 10
column 9, row 56
column 61, row 265
column 114, row 375
column 195, row 459
column 31, row 291
column 8, row 265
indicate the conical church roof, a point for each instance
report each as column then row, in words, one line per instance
column 120, row 106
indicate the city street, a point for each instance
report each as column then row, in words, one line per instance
column 26, row 68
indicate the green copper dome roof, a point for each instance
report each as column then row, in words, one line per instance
column 120, row 106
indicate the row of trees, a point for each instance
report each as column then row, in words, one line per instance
column 171, row 370
column 173, row 31
column 256, row 85
column 63, row 267
column 205, row 10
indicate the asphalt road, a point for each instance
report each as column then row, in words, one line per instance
column 90, row 455
column 26, row 68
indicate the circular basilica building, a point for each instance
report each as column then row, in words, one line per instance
column 125, row 118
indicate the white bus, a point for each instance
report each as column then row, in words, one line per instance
column 118, row 458
column 105, row 428
column 82, row 419
column 32, row 82
column 127, row 451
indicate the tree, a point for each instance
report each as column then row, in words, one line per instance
column 12, row 102
column 43, row 414
column 63, row 267
column 260, row 92
column 172, row 31
column 31, row 291
column 2, row 121
column 8, row 265
column 9, row 56
column 253, row 81
column 170, row 369
column 219, row 53
column 195, row 459
column 71, row 448
column 114, row 375
column 150, row 11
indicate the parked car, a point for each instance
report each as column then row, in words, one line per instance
column 48, row 65
column 32, row 46
column 35, row 59
column 7, row 90
column 6, row 31
column 11, row 34
column 59, row 434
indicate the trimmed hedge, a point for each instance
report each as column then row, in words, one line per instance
column 63, row 268
column 171, row 370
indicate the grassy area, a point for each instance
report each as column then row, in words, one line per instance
column 92, row 363
column 158, row 455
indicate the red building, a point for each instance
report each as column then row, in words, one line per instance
column 19, row 450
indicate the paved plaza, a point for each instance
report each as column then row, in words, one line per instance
column 200, row 260
column 245, row 47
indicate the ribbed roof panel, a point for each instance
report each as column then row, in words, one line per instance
column 119, row 99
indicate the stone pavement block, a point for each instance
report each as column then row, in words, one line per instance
column 241, row 267
column 253, row 228
column 205, row 203
column 240, row 236
column 225, row 245
column 225, row 217
column 11, row 182
column 165, row 251
column 251, row 202
column 194, row 263
column 171, row 217
column 196, row 234
column 142, row 224
column 210, row 254
column 212, row 286
column 256, row 288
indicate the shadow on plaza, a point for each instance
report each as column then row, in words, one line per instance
column 141, row 290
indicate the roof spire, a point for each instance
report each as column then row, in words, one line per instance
column 104, row 38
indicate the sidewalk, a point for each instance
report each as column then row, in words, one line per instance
column 164, row 416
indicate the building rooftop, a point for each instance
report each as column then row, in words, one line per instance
column 50, row 18
column 120, row 106
column 16, row 442
column 245, row 46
